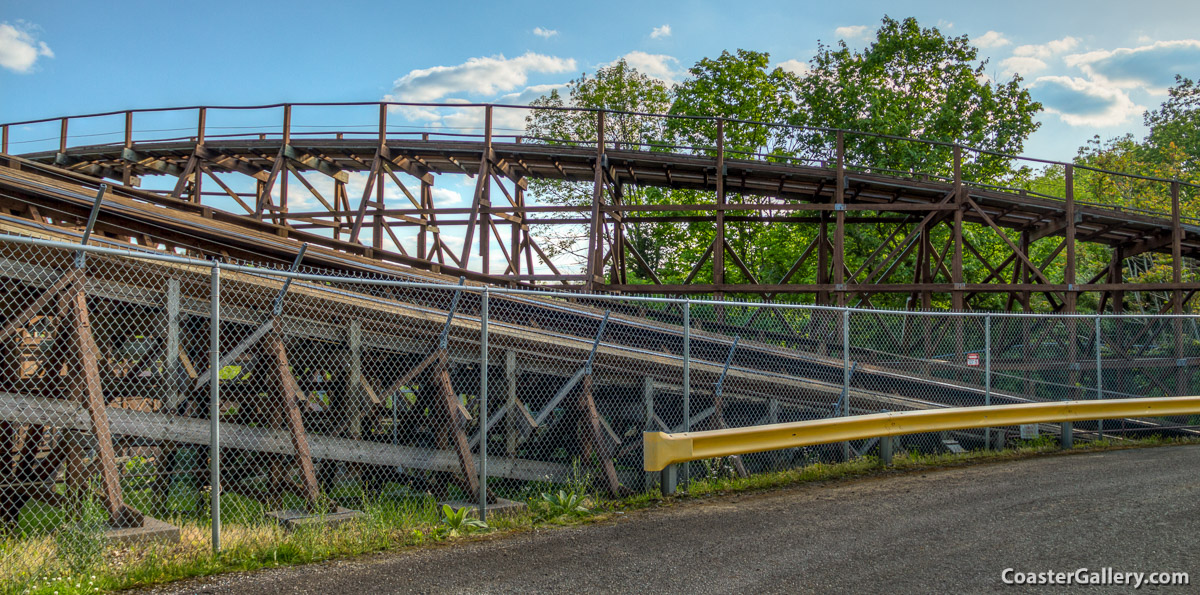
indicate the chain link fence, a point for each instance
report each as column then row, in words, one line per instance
column 141, row 386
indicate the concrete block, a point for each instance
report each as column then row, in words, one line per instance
column 151, row 530
column 293, row 519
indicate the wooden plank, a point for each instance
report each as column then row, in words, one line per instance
column 188, row 430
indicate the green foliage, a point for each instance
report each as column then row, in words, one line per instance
column 1176, row 124
column 739, row 86
column 563, row 503
column 456, row 522
column 915, row 82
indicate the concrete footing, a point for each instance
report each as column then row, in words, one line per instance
column 151, row 530
column 293, row 519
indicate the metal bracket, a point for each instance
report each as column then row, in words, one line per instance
column 844, row 399
column 599, row 334
column 1181, row 362
column 442, row 339
column 725, row 369
column 277, row 306
column 81, row 256
column 839, row 206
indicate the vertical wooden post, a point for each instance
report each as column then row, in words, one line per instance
column 1181, row 371
column 823, row 259
column 62, row 136
column 839, row 230
column 956, row 267
column 127, row 168
column 595, row 247
column 1116, row 275
column 956, row 270
column 4, row 139
column 485, row 204
column 719, row 247
column 287, row 124
column 511, row 433
column 202, row 117
column 1071, row 298
column 197, row 173
column 355, row 403
column 282, row 167
column 514, row 242
column 173, row 396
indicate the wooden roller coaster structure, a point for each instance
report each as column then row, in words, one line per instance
column 390, row 343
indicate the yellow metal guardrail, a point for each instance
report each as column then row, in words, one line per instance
column 662, row 449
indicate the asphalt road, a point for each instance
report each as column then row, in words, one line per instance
column 946, row 531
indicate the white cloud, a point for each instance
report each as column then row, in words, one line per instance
column 852, row 31
column 795, row 67
column 505, row 120
column 445, row 197
column 660, row 32
column 19, row 48
column 659, row 66
column 1021, row 65
column 992, row 39
column 1153, row 66
column 1046, row 50
column 477, row 76
column 544, row 33
column 1082, row 102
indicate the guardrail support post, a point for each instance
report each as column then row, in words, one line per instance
column 885, row 448
column 1068, row 436
column 669, row 479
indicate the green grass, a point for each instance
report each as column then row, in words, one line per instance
column 77, row 560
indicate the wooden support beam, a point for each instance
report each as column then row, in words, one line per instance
column 452, row 436
column 592, row 438
column 287, row 397
column 85, row 386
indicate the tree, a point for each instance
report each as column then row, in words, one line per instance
column 1176, row 124
column 620, row 88
column 915, row 82
column 740, row 87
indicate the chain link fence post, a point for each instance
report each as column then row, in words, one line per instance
column 687, row 383
column 483, row 403
column 845, row 409
column 214, row 407
column 987, row 373
column 1099, row 379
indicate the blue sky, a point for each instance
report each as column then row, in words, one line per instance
column 1096, row 65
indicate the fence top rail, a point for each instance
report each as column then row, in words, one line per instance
column 579, row 109
column 136, row 254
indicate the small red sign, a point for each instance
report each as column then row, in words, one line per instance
column 972, row 359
